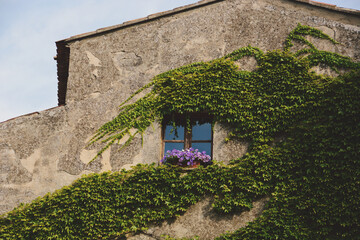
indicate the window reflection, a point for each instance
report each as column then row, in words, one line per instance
column 172, row 133
column 169, row 146
column 202, row 147
column 201, row 131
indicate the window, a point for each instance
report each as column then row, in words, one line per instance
column 199, row 136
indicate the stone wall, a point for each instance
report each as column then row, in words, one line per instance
column 44, row 151
column 202, row 221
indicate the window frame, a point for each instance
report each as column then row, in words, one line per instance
column 204, row 117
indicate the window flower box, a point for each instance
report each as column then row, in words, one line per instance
column 187, row 158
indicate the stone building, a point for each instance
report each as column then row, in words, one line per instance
column 43, row 151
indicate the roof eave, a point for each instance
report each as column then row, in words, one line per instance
column 151, row 17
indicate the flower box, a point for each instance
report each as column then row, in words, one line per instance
column 187, row 158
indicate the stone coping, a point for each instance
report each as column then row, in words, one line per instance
column 192, row 6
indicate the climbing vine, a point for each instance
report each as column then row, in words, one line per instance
column 304, row 130
column 256, row 104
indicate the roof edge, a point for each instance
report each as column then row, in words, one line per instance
column 331, row 7
column 32, row 113
column 193, row 6
column 150, row 17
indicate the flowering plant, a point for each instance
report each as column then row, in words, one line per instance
column 186, row 157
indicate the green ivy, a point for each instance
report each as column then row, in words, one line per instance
column 304, row 131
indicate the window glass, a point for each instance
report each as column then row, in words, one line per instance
column 201, row 131
column 202, row 147
column 199, row 136
column 174, row 134
column 171, row 145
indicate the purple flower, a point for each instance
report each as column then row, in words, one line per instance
column 185, row 157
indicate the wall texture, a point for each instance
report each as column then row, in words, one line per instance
column 44, row 151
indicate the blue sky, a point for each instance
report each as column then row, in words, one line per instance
column 29, row 30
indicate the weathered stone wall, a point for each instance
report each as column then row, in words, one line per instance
column 202, row 221
column 44, row 151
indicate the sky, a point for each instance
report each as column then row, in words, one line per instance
column 29, row 30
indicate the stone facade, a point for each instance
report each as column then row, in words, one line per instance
column 44, row 151
column 201, row 221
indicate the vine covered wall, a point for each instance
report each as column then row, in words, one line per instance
column 304, row 133
column 47, row 150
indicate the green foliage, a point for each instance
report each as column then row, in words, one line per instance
column 315, row 172
column 110, row 205
column 299, row 33
column 304, row 131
